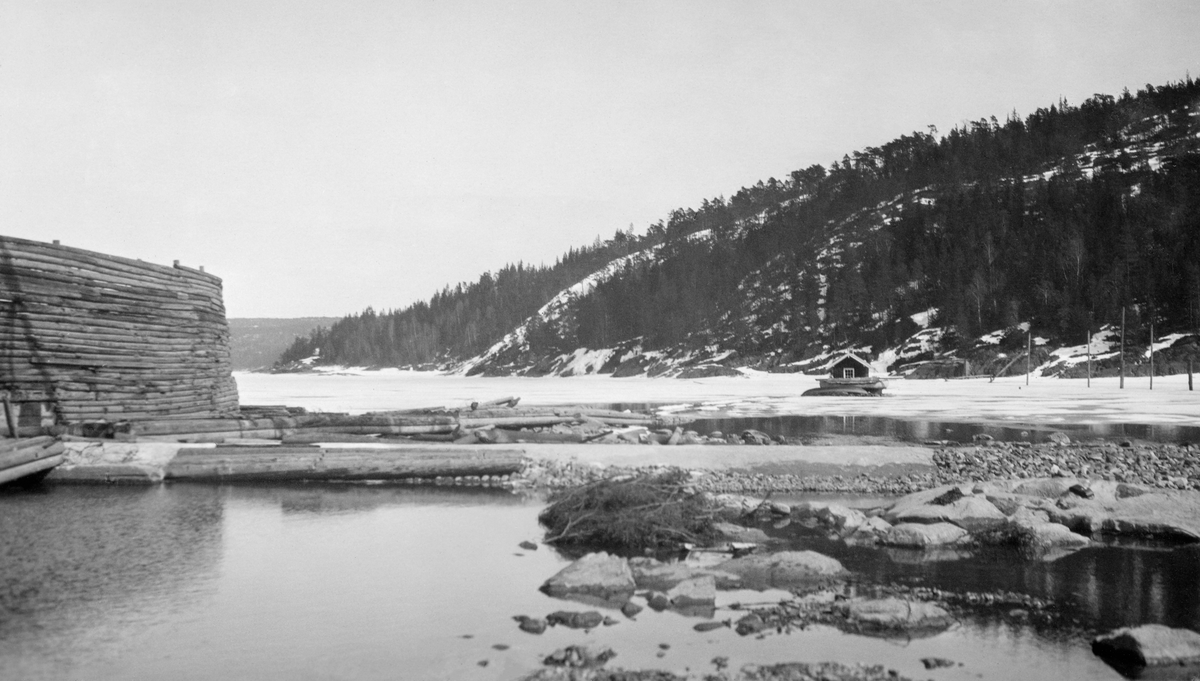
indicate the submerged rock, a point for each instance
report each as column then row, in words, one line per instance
column 898, row 615
column 581, row 656
column 597, row 575
column 575, row 620
column 531, row 625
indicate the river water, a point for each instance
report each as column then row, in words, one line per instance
column 414, row 582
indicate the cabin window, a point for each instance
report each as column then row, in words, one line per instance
column 847, row 373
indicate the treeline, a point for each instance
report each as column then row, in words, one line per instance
column 456, row 322
column 991, row 250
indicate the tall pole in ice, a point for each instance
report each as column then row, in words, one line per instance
column 1122, row 385
column 1152, row 351
column 1028, row 351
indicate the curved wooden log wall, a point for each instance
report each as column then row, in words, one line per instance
column 111, row 338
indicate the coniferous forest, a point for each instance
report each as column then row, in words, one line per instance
column 1062, row 219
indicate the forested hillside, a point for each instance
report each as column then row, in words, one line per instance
column 1059, row 220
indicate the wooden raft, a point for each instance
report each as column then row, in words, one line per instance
column 112, row 338
column 321, row 427
column 262, row 464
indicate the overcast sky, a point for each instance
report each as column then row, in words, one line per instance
column 325, row 156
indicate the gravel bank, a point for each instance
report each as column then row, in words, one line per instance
column 1154, row 465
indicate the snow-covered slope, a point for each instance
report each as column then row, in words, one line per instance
column 785, row 320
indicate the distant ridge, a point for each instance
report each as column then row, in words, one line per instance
column 933, row 254
column 255, row 343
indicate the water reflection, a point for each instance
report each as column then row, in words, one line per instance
column 337, row 499
column 1104, row 587
column 386, row 581
column 78, row 565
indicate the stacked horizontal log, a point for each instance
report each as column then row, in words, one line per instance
column 112, row 338
column 23, row 458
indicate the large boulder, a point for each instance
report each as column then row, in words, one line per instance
column 784, row 569
column 1053, row 536
column 921, row 535
column 1155, row 515
column 834, row 516
column 885, row 615
column 739, row 533
column 734, row 505
column 972, row 513
column 1047, row 488
column 922, row 498
column 869, row 532
column 1150, row 645
column 649, row 573
column 595, row 576
column 700, row 590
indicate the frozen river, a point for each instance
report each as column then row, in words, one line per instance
column 1005, row 401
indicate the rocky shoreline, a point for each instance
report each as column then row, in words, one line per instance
column 1046, row 518
column 1155, row 465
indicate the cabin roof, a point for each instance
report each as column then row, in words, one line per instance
column 849, row 356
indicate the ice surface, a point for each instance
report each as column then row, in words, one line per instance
column 1007, row 400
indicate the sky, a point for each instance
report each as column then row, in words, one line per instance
column 322, row 157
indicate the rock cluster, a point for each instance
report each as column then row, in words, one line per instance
column 1155, row 465
column 787, row 671
column 1163, row 466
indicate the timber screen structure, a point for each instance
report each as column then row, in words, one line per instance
column 99, row 337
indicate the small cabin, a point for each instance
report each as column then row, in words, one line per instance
column 850, row 366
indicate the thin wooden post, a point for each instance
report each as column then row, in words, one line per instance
column 1089, row 356
column 1122, row 385
column 9, row 419
column 1189, row 373
column 1028, row 351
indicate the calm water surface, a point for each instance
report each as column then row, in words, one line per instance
column 382, row 582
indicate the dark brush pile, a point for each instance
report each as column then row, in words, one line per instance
column 652, row 511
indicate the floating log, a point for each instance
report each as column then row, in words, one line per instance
column 31, row 468
column 34, row 452
column 503, row 401
column 304, row 438
column 231, row 464
column 8, row 445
